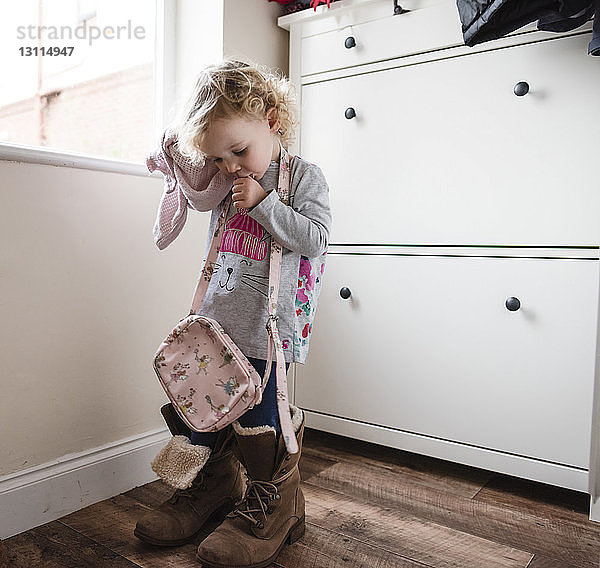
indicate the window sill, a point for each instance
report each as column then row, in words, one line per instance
column 33, row 155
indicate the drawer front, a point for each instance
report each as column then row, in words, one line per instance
column 445, row 152
column 426, row 27
column 426, row 345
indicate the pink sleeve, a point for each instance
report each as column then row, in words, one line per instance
column 199, row 186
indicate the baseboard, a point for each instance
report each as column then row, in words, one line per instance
column 519, row 466
column 41, row 494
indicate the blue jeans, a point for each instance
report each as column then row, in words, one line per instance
column 263, row 414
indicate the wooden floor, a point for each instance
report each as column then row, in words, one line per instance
column 366, row 506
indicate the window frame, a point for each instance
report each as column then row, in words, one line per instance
column 163, row 94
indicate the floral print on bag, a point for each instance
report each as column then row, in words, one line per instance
column 175, row 335
column 179, row 372
column 227, row 355
column 219, row 411
column 208, row 331
column 203, row 362
column 231, row 385
column 186, row 403
column 216, row 364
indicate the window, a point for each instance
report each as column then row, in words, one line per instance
column 78, row 76
column 86, row 10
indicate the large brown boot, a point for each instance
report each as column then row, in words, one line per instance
column 271, row 514
column 207, row 485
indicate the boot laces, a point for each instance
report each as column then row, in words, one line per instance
column 199, row 484
column 259, row 494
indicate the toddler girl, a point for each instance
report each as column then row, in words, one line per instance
column 238, row 122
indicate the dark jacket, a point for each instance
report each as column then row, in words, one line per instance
column 484, row 20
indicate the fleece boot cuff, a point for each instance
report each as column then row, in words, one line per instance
column 297, row 416
column 179, row 462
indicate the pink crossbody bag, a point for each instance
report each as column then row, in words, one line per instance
column 209, row 381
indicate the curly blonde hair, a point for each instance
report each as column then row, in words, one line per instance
column 234, row 89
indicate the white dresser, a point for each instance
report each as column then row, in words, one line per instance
column 458, row 316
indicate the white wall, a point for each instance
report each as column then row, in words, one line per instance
column 86, row 299
column 198, row 42
column 209, row 31
column 251, row 31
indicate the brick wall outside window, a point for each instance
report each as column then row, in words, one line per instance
column 110, row 116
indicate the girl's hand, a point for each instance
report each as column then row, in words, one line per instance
column 247, row 193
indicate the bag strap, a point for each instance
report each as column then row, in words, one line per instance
column 287, row 430
column 283, row 190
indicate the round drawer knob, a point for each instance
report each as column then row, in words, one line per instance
column 345, row 293
column 399, row 9
column 350, row 113
column 521, row 88
column 350, row 42
column 513, row 304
